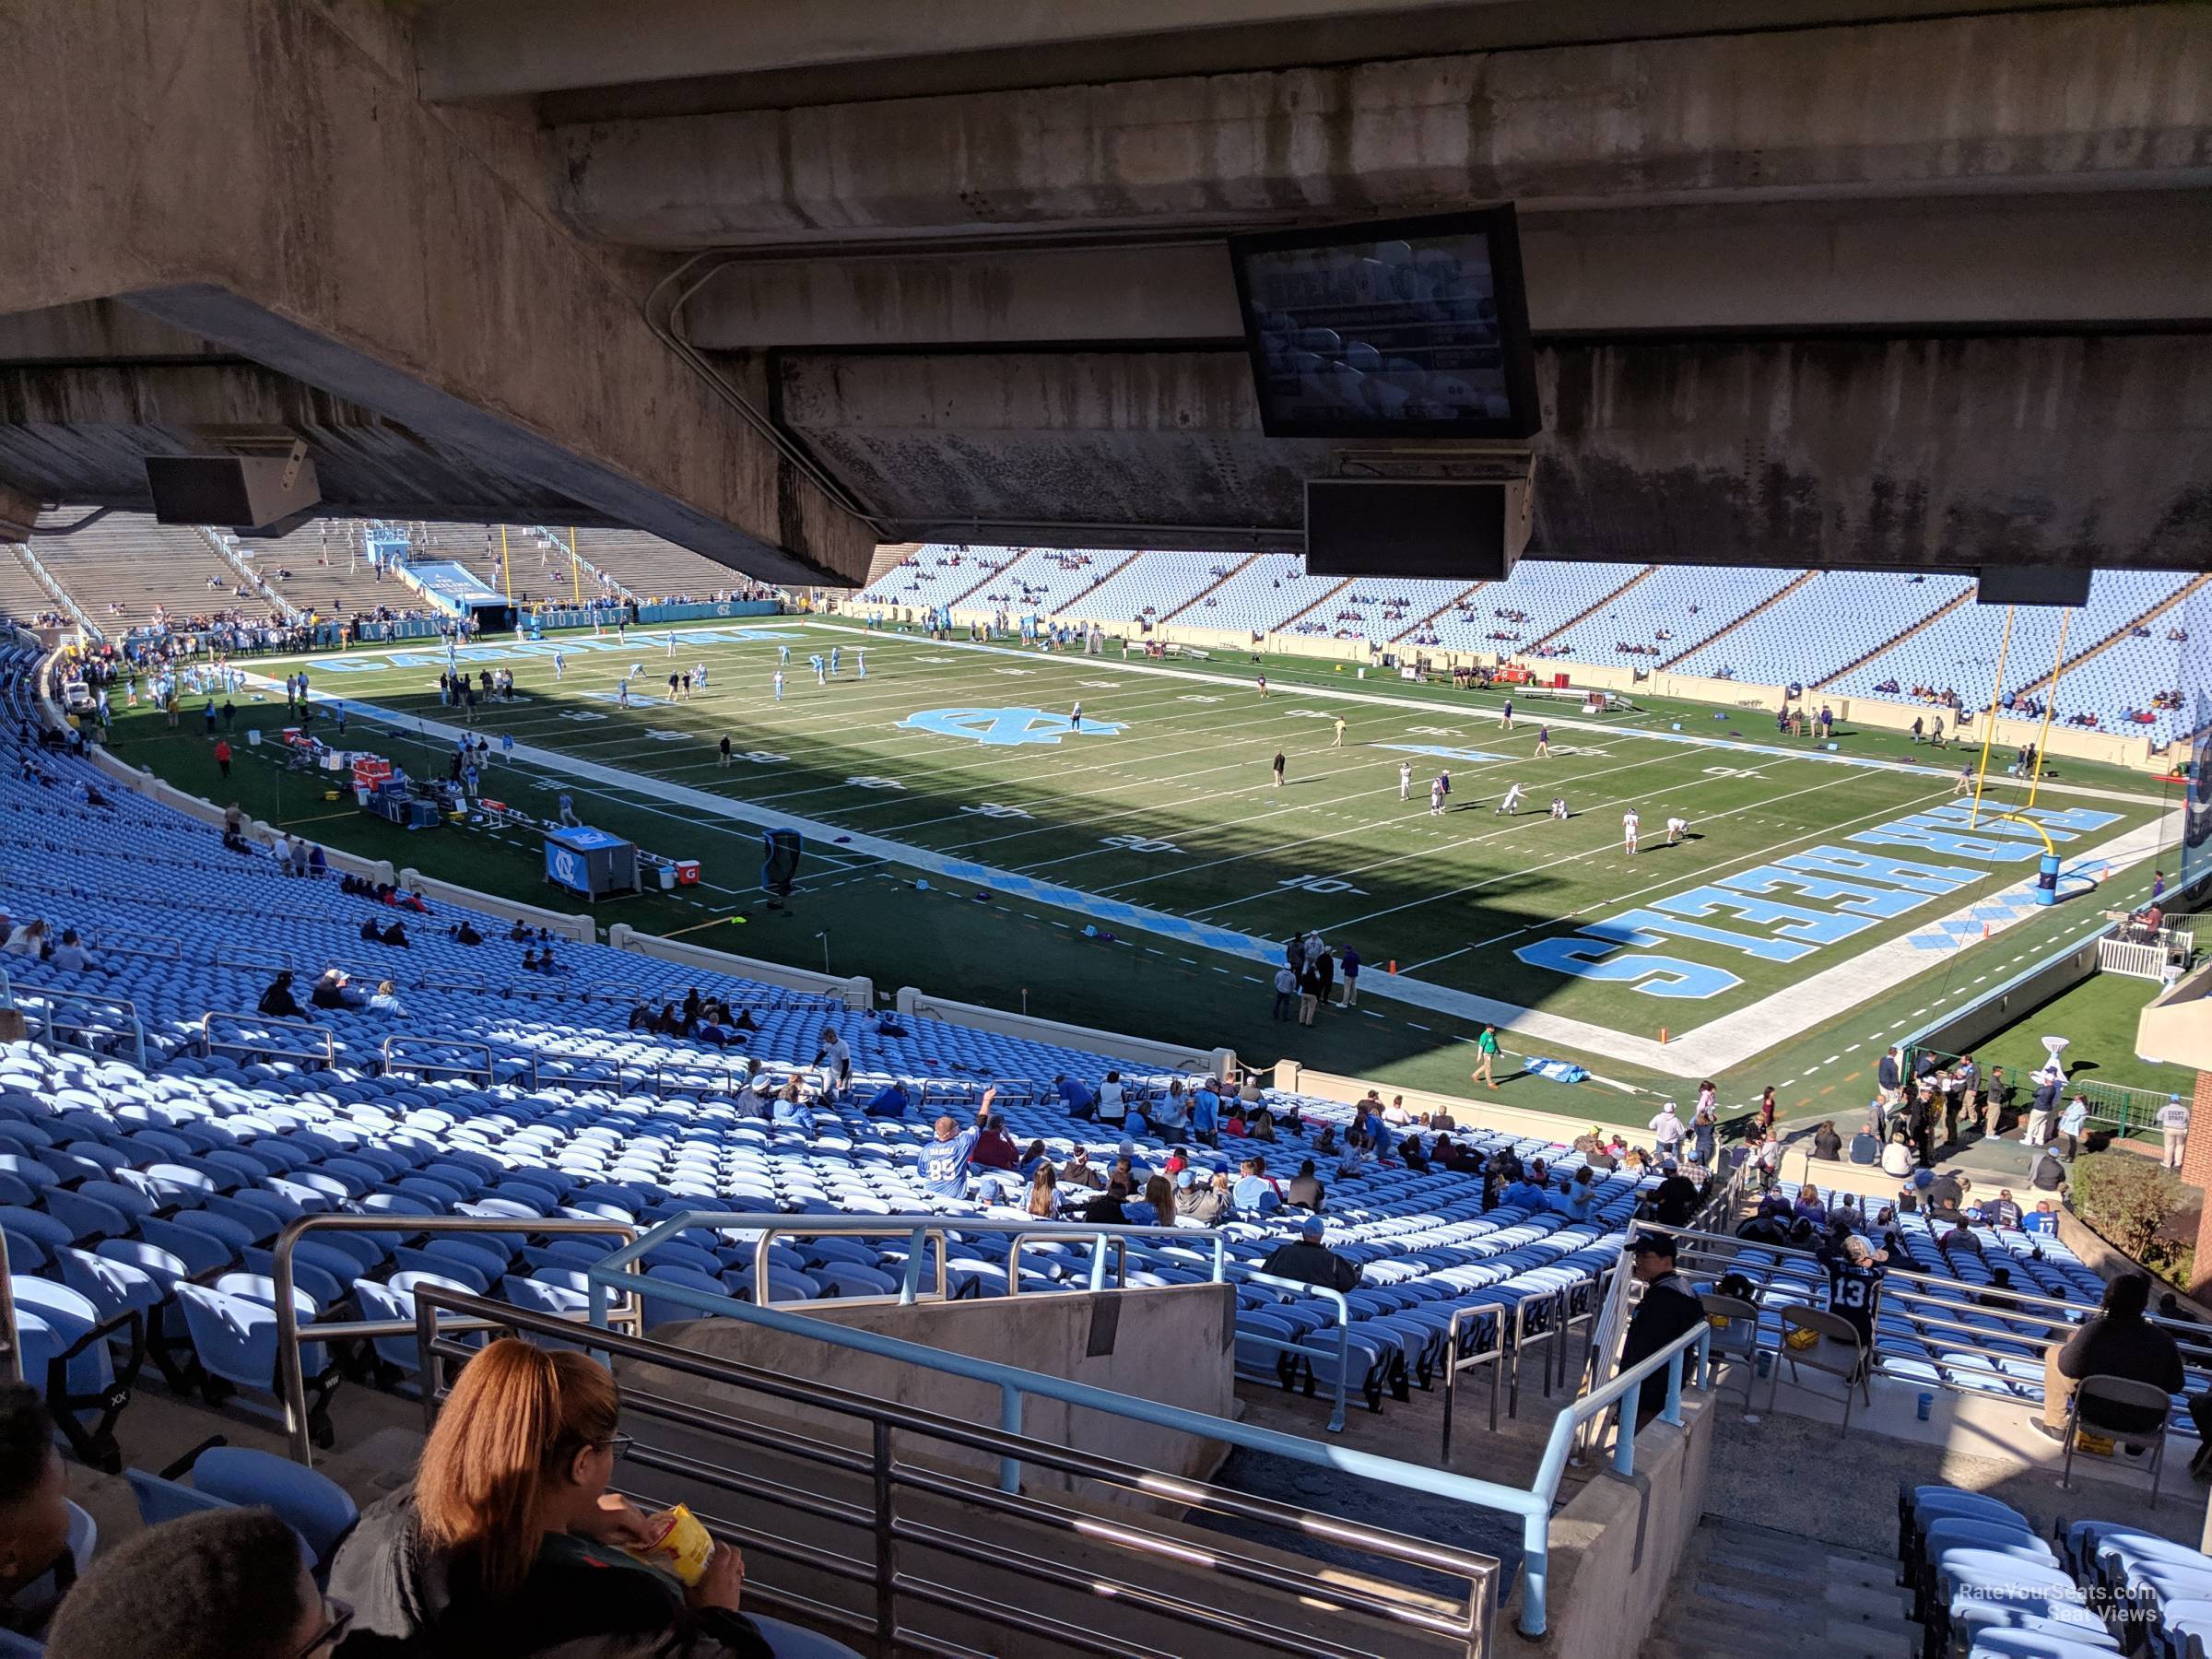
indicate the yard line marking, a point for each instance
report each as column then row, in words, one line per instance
column 1413, row 1025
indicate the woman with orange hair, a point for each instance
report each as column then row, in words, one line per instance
column 509, row 1543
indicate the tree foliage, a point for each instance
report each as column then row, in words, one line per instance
column 2126, row 1197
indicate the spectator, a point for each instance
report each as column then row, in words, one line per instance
column 332, row 991
column 2072, row 1125
column 509, row 1542
column 226, row 1584
column 1854, row 1282
column 36, row 1567
column 1044, row 1192
column 1670, row 1308
column 1580, row 1202
column 2048, row 1175
column 2002, row 1211
column 1827, row 1145
column 2173, row 1122
column 28, row 940
column 1157, row 1208
column 994, row 1149
column 278, row 1001
column 1808, row 1206
column 385, row 999
column 465, row 935
column 1077, row 1171
column 1896, row 1157
column 2043, row 1219
column 1310, row 1261
column 2119, row 1342
column 1865, row 1148
column 1112, row 1207
column 1999, row 1298
column 1256, row 1192
column 1667, row 1131
column 1306, row 1190
column 69, row 956
column 890, row 1101
column 1677, row 1198
column 942, row 1164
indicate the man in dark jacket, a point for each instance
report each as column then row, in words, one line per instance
column 1669, row 1309
column 1677, row 1198
column 2118, row 1343
column 1306, row 1191
column 1310, row 1261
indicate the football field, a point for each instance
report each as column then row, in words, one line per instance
column 1806, row 881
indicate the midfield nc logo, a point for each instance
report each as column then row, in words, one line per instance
column 1005, row 728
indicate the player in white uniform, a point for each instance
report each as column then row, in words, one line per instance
column 1436, row 796
column 1629, row 824
column 1511, row 805
column 1074, row 718
column 622, row 692
column 699, row 677
column 779, row 685
column 1404, row 780
column 860, row 662
column 670, row 637
column 821, row 670
column 1676, row 827
column 834, row 652
column 1559, row 807
column 560, row 665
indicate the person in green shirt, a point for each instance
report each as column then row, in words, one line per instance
column 1486, row 1045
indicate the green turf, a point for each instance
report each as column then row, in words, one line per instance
column 2099, row 1016
column 1451, row 897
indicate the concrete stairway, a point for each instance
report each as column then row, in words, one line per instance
column 1748, row 1591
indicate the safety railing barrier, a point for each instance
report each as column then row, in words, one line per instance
column 1101, row 1241
column 1464, row 1355
column 1944, row 1307
column 111, row 1017
column 1123, row 1554
column 318, row 1042
column 1341, row 1354
column 419, row 1057
column 292, row 1377
column 125, row 941
column 1531, row 1504
column 683, row 1076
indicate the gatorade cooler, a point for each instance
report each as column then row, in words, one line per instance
column 2046, row 880
column 687, row 872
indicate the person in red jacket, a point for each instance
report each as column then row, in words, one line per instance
column 222, row 755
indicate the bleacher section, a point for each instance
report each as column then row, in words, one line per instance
column 126, row 569
column 1984, row 1582
column 1263, row 597
column 22, row 599
column 1670, row 609
column 1382, row 610
column 651, row 568
column 2135, row 683
column 331, row 578
column 937, row 574
column 1510, row 617
column 1044, row 579
column 1154, row 587
column 1824, row 627
column 1958, row 653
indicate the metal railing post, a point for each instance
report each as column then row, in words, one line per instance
column 1009, row 1419
column 887, row 1540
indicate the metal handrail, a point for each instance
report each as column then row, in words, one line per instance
column 1531, row 1504
column 112, row 1006
column 1311, row 1590
column 1459, row 1360
column 425, row 1067
column 291, row 1379
column 8, row 990
column 1057, row 1232
column 209, row 1045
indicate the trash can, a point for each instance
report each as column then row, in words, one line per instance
column 668, row 876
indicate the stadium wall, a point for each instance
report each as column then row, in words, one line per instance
column 1464, row 1109
column 858, row 991
column 1617, row 1545
column 1168, row 1056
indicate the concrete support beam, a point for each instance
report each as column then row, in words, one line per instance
column 2096, row 97
column 258, row 174
column 770, row 54
column 2057, row 259
column 1844, row 450
column 18, row 513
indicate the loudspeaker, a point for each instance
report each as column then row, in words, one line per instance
column 239, row 492
column 1415, row 527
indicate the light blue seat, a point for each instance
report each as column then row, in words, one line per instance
column 313, row 1505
